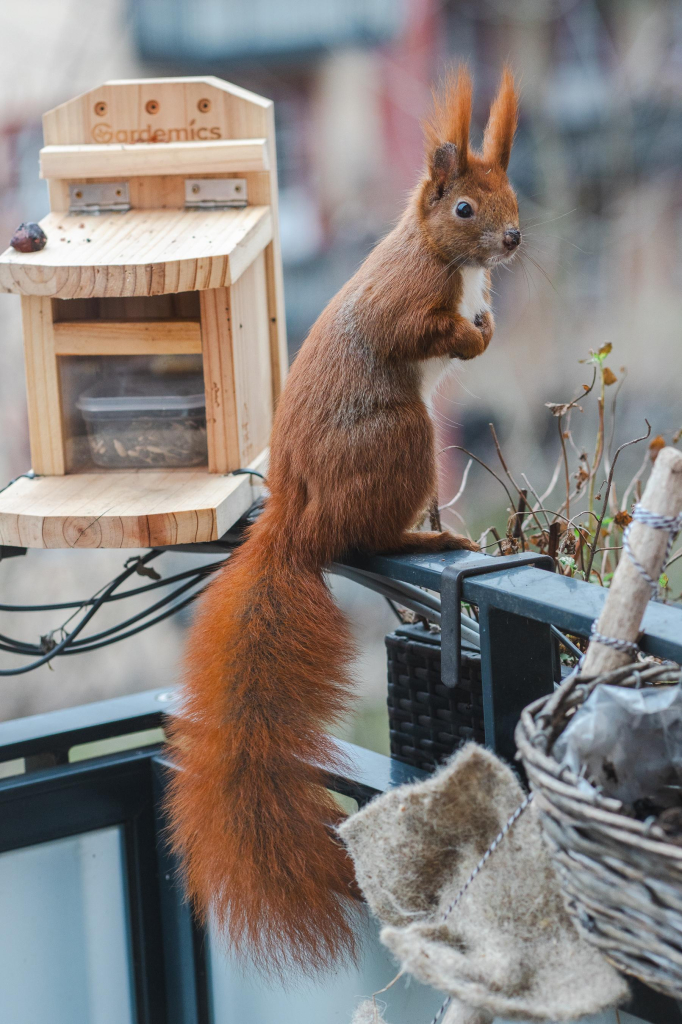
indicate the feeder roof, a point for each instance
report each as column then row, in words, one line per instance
column 141, row 252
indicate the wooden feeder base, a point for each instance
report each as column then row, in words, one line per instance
column 137, row 509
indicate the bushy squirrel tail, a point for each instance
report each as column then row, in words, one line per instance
column 249, row 814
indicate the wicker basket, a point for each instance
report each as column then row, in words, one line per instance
column 429, row 721
column 622, row 879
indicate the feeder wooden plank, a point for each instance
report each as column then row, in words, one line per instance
column 132, row 509
column 127, row 338
column 252, row 359
column 42, row 384
column 222, row 432
column 118, row 159
column 141, row 252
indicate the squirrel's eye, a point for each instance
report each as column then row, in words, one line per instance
column 464, row 210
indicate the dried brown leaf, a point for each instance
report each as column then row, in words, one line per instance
column 655, row 445
column 622, row 519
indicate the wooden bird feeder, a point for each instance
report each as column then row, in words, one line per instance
column 153, row 318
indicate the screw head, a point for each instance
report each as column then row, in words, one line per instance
column 119, row 192
column 78, row 194
column 152, row 106
column 203, row 106
column 195, row 189
column 237, row 188
column 100, row 108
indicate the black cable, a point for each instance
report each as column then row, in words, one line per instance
column 18, row 647
column 28, row 476
column 568, row 644
column 78, row 644
column 138, row 629
column 64, row 606
column 70, row 637
column 394, row 609
column 246, row 472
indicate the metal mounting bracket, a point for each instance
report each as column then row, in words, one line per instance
column 452, row 579
column 215, row 193
column 99, row 197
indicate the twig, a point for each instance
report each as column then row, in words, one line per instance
column 593, row 546
column 678, row 554
column 522, row 494
column 635, row 479
column 460, row 492
column 552, row 483
column 609, row 446
column 459, row 448
column 536, row 496
column 518, row 531
column 560, row 411
column 497, row 538
column 553, row 543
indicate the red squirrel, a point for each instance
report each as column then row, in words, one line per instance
column 352, row 465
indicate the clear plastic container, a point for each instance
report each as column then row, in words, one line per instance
column 145, row 421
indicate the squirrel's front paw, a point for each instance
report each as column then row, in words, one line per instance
column 486, row 325
column 468, row 341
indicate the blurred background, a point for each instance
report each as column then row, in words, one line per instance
column 597, row 165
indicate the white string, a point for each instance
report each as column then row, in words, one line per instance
column 488, row 853
column 511, row 821
column 673, row 524
column 626, row 646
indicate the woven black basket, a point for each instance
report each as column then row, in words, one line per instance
column 429, row 721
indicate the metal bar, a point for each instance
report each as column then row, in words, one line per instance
column 184, row 940
column 67, row 800
column 452, row 581
column 57, row 731
column 126, row 789
column 144, row 907
column 517, row 667
column 571, row 605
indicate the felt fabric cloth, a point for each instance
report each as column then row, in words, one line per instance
column 508, row 948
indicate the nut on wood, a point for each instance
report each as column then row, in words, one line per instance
column 29, row 237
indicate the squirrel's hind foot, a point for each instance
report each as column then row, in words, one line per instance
column 414, row 542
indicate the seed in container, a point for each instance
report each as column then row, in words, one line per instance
column 29, row 237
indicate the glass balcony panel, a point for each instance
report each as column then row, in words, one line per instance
column 64, row 946
column 239, row 994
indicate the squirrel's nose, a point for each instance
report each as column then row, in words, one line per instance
column 512, row 238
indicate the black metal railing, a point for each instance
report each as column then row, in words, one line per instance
column 55, row 797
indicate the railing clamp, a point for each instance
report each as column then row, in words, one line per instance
column 452, row 580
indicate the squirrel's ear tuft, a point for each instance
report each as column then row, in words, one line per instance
column 499, row 132
column 448, row 126
column 444, row 165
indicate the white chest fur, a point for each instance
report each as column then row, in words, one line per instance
column 473, row 288
column 432, row 372
column 472, row 301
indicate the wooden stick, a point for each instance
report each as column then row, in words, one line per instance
column 630, row 593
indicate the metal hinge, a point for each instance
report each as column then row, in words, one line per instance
column 99, row 197
column 214, row 193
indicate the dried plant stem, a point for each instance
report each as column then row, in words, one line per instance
column 459, row 448
column 599, row 446
column 521, row 493
column 460, row 492
column 536, row 496
column 567, row 474
column 593, row 547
